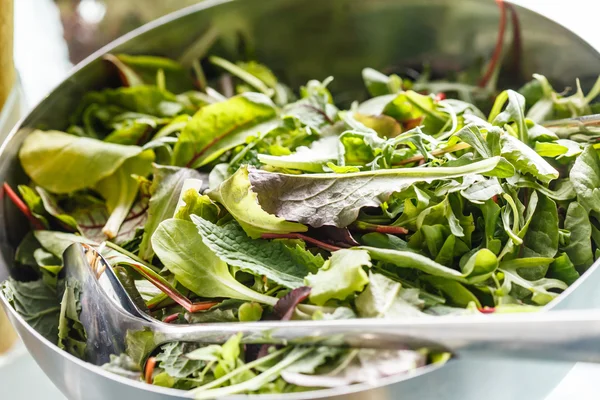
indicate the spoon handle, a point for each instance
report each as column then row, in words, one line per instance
column 558, row 335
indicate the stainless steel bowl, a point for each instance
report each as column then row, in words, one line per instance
column 312, row 39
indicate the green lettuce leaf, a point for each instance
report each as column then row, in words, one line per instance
column 179, row 247
column 80, row 162
column 121, row 188
column 240, row 200
column 307, row 159
column 341, row 276
column 196, row 204
column 166, row 187
column 146, row 68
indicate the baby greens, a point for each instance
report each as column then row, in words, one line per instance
column 260, row 203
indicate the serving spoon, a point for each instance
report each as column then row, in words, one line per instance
column 110, row 318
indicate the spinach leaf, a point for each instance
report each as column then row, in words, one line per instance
column 37, row 303
column 271, row 259
column 335, row 199
column 579, row 249
column 563, row 269
column 541, row 239
column 585, row 177
column 379, row 84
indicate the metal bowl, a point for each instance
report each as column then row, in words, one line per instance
column 301, row 40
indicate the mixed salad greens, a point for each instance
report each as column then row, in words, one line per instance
column 256, row 202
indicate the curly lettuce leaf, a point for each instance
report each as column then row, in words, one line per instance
column 341, row 276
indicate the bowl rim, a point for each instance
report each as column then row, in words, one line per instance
column 336, row 391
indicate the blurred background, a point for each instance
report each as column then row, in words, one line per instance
column 53, row 35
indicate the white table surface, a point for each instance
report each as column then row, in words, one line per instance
column 38, row 36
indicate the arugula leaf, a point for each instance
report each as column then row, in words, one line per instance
column 269, row 258
column 341, row 276
column 166, row 187
column 335, row 199
column 526, row 160
column 37, row 303
column 179, row 247
column 80, row 162
column 219, row 127
column 514, row 112
column 585, row 177
column 236, row 195
column 563, row 188
column 479, row 267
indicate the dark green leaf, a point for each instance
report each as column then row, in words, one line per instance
column 260, row 257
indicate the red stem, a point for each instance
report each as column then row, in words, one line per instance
column 487, row 310
column 173, row 293
column 308, row 239
column 498, row 49
column 367, row 227
column 171, row 318
column 517, row 42
column 37, row 225
column 149, row 370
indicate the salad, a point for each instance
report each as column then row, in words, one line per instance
column 250, row 201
